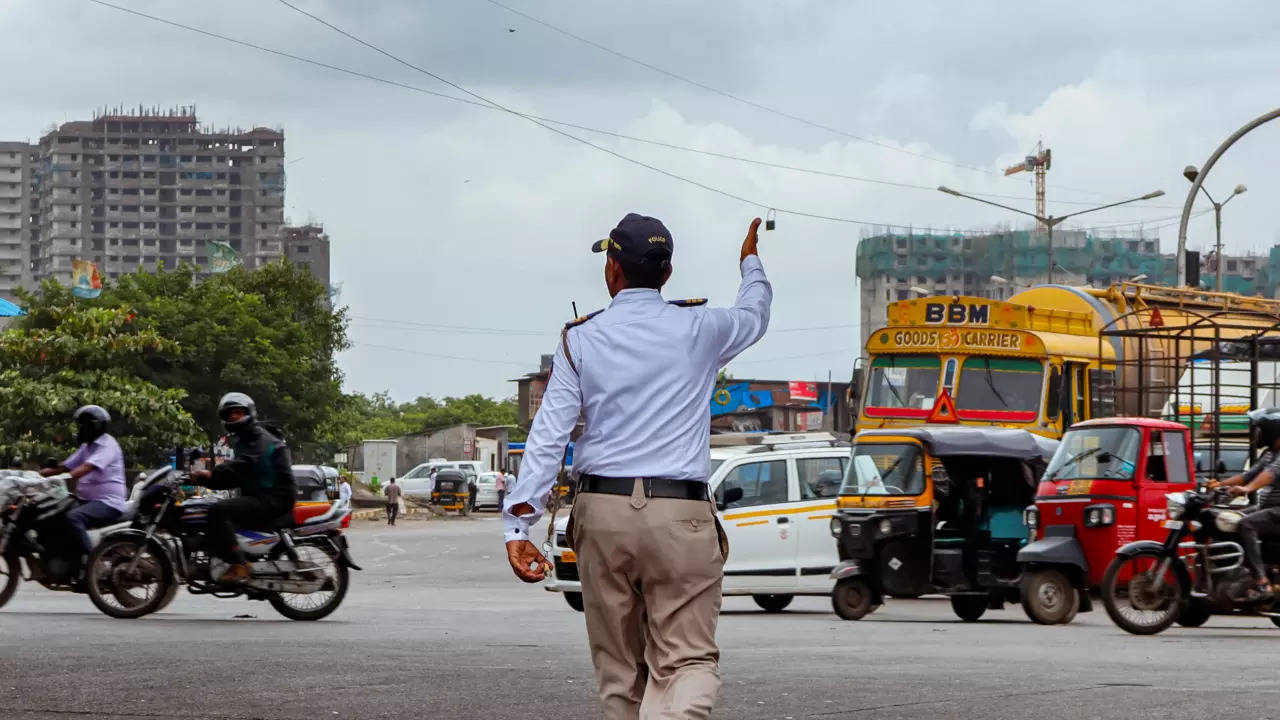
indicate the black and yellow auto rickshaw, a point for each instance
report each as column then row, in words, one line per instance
column 452, row 491
column 935, row 509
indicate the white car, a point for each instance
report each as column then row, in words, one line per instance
column 487, row 490
column 779, row 532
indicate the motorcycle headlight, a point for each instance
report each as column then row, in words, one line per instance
column 1175, row 505
column 835, row 527
column 1031, row 517
column 1099, row 515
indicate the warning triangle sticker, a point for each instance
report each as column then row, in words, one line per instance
column 1157, row 320
column 944, row 410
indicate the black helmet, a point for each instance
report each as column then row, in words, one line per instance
column 91, row 422
column 1265, row 423
column 237, row 401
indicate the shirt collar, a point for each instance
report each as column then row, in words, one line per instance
column 633, row 296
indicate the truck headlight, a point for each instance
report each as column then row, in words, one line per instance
column 835, row 527
column 1031, row 517
column 886, row 527
column 1099, row 515
column 1175, row 505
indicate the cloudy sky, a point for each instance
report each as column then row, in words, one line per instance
column 445, row 215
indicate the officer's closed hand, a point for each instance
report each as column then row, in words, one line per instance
column 523, row 555
column 749, row 244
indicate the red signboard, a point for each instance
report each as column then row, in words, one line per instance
column 803, row 391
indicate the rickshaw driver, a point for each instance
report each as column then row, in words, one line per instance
column 1265, row 521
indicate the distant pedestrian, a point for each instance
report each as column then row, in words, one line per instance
column 344, row 492
column 431, row 481
column 393, row 501
column 501, row 484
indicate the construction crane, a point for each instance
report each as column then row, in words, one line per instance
column 1037, row 162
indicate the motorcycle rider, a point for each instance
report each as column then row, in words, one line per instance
column 261, row 470
column 1265, row 521
column 97, row 466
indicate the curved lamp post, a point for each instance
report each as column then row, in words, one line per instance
column 1195, row 188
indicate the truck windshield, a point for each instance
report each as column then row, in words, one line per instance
column 1002, row 384
column 1109, row 453
column 884, row 469
column 903, row 381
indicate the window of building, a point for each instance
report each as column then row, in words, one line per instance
column 302, row 249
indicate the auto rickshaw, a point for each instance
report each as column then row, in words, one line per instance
column 1104, row 488
column 452, row 491
column 935, row 509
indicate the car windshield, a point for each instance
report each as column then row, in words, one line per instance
column 419, row 472
column 1109, row 453
column 1002, row 384
column 903, row 381
column 884, row 469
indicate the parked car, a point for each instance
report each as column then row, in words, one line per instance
column 487, row 490
column 768, row 496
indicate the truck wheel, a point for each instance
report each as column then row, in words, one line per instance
column 969, row 607
column 1049, row 598
column 772, row 603
column 1196, row 614
column 851, row 599
column 574, row 599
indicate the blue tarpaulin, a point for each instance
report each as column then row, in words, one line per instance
column 8, row 309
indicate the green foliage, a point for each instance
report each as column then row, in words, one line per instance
column 74, row 354
column 267, row 332
column 364, row 417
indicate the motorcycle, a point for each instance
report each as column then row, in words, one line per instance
column 1198, row 570
column 34, row 532
column 301, row 566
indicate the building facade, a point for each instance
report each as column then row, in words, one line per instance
column 17, row 215
column 308, row 246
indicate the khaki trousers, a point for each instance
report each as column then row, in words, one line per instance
column 651, row 571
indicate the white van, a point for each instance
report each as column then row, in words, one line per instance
column 417, row 482
column 779, row 531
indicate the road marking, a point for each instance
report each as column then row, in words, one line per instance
column 395, row 550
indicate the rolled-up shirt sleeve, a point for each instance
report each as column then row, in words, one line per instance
column 737, row 328
column 544, row 450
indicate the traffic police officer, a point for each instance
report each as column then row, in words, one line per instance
column 650, row 550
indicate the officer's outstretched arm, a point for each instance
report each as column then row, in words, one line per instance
column 737, row 328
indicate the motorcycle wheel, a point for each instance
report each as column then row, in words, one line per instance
column 1136, row 607
column 10, row 575
column 773, row 603
column 118, row 595
column 1194, row 614
column 1049, row 598
column 969, row 608
column 316, row 605
column 575, row 600
column 851, row 599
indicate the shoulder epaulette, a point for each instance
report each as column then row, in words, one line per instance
column 691, row 302
column 578, row 321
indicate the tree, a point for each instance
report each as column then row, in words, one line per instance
column 268, row 332
column 365, row 417
column 81, row 355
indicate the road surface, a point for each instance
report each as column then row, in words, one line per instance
column 437, row 627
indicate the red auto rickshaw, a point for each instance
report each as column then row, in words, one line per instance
column 1104, row 488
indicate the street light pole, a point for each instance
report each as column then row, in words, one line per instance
column 1050, row 222
column 1191, row 173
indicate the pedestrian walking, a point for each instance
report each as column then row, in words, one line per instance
column 650, row 549
column 500, row 484
column 393, row 501
column 344, row 492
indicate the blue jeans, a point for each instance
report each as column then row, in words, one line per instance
column 92, row 514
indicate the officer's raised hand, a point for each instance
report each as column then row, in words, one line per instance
column 749, row 244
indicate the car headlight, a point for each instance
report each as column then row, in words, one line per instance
column 1175, row 505
column 835, row 527
column 886, row 527
column 1099, row 515
column 1031, row 517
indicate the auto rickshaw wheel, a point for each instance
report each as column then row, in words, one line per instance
column 851, row 599
column 772, row 603
column 1196, row 614
column 574, row 599
column 1049, row 598
column 1275, row 621
column 969, row 607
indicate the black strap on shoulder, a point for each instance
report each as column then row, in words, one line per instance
column 691, row 302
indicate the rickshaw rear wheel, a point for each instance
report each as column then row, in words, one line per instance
column 772, row 603
column 1049, row 598
column 575, row 600
column 969, row 607
column 851, row 599
column 1196, row 614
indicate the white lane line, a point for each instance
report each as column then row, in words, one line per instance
column 395, row 550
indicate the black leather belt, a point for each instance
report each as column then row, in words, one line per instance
column 653, row 487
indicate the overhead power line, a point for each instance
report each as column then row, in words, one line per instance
column 394, row 324
column 439, row 355
column 545, row 122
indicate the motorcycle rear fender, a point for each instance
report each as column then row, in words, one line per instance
column 338, row 542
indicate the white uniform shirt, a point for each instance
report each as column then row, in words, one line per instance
column 645, row 372
column 344, row 491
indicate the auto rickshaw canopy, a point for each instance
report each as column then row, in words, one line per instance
column 942, row 441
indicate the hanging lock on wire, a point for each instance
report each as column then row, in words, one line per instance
column 770, row 219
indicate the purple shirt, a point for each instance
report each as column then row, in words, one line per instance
column 105, row 483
